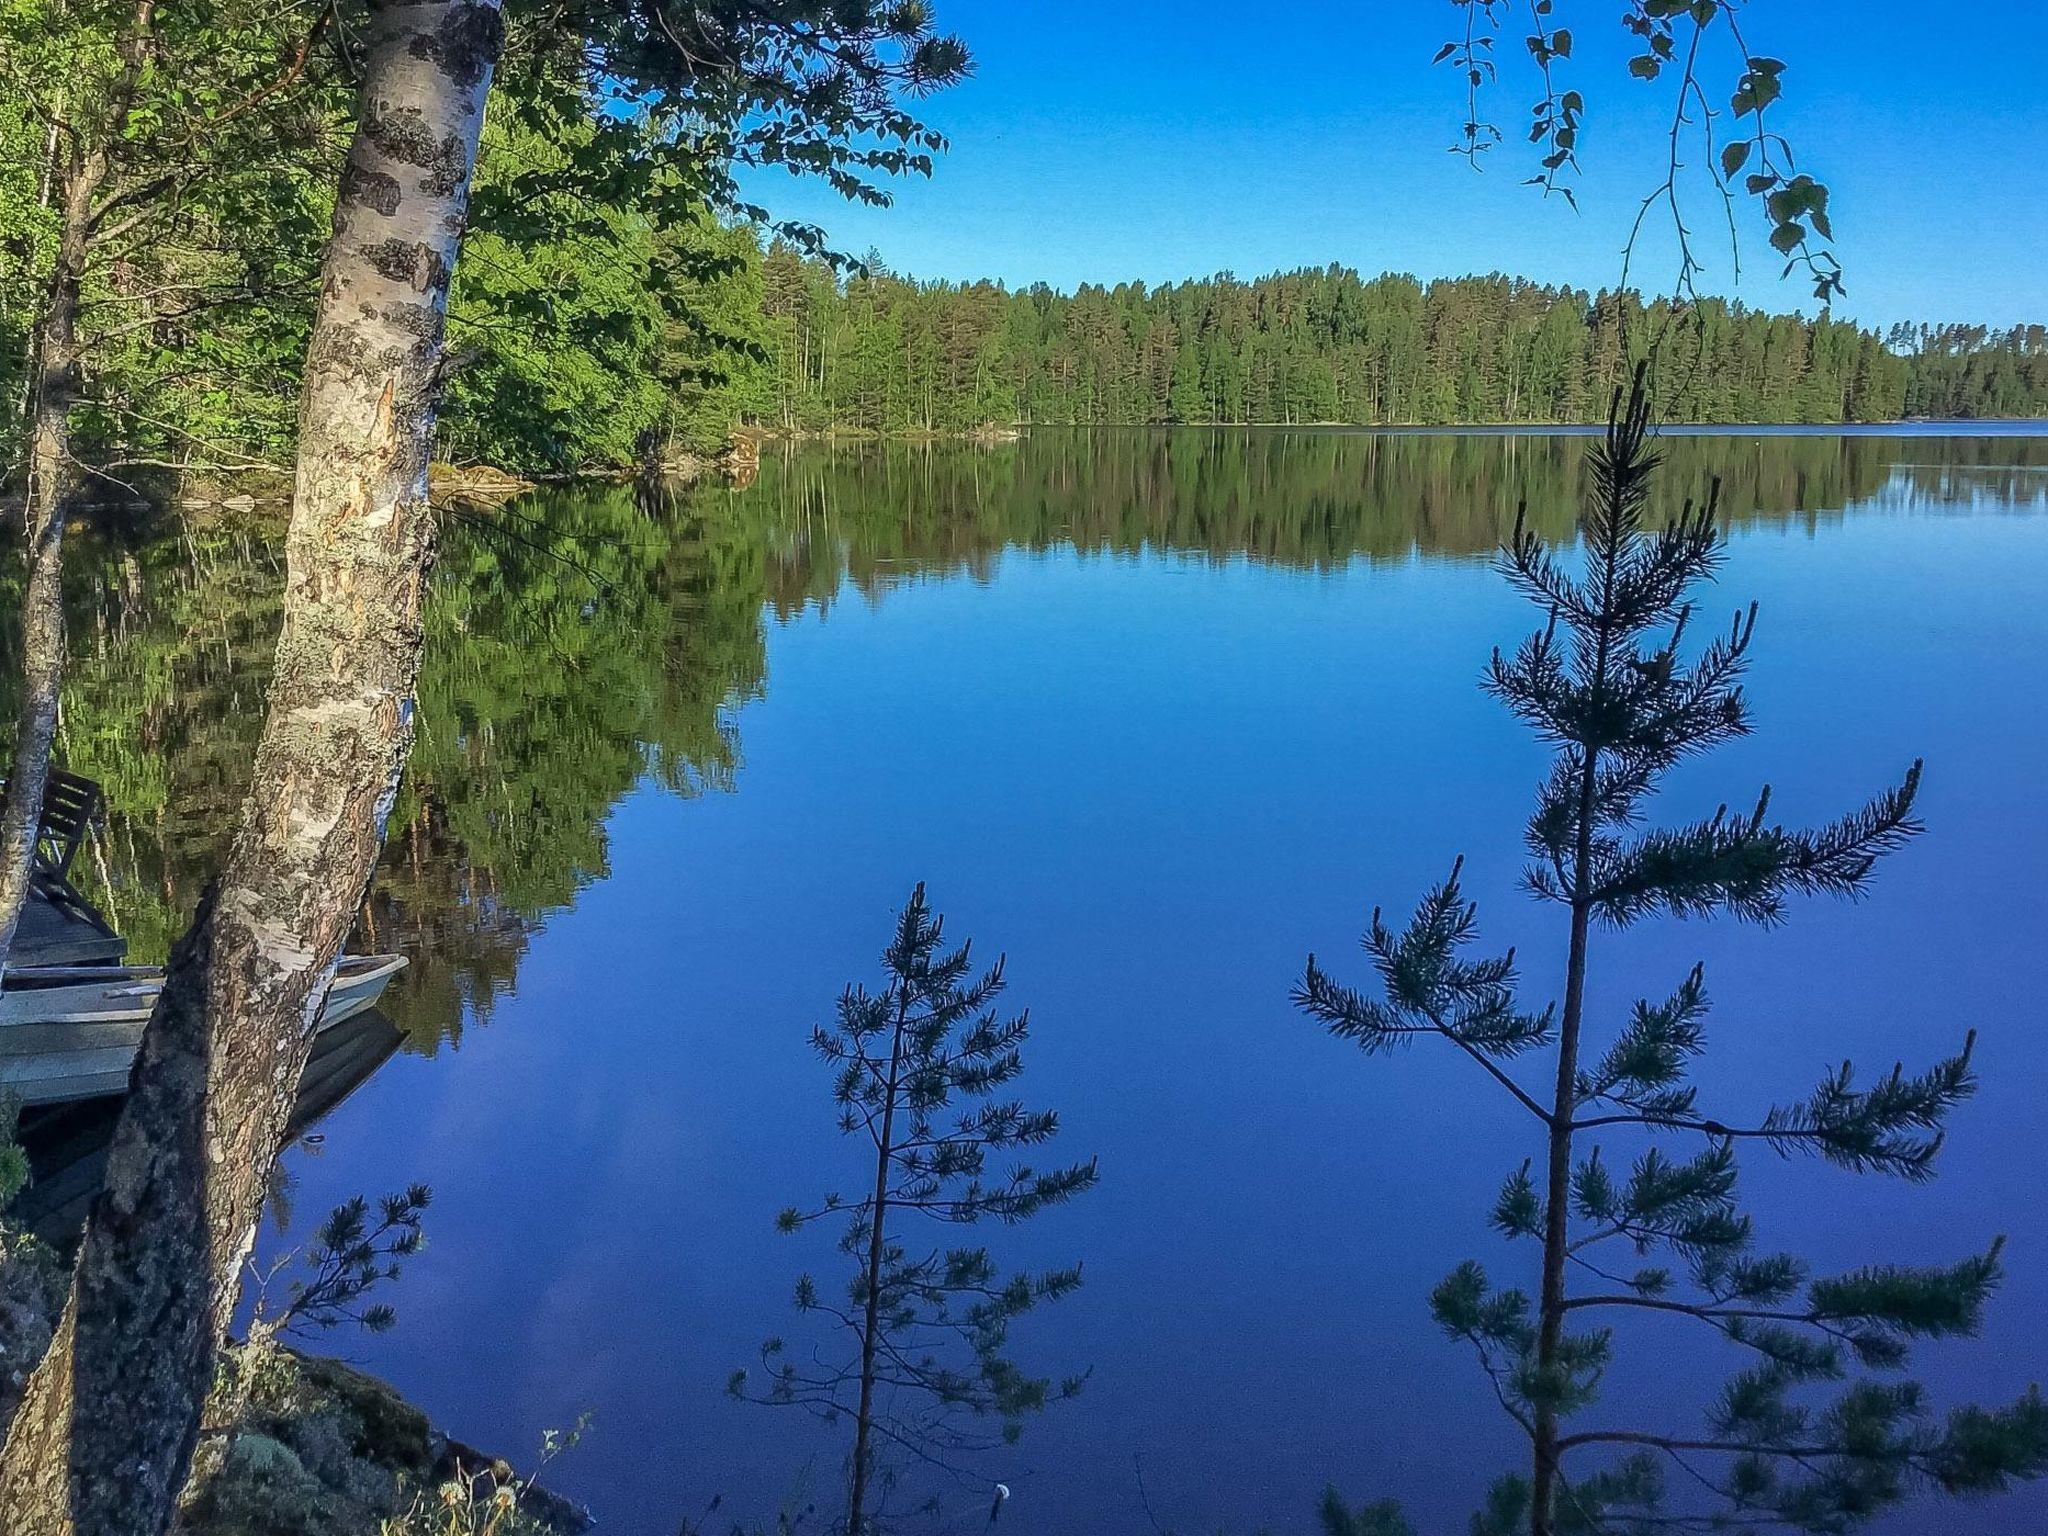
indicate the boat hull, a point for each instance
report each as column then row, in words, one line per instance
column 76, row 1036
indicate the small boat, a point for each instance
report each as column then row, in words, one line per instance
column 72, row 1031
column 67, row 1143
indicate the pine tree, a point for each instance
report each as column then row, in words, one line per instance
column 1611, row 684
column 1184, row 401
column 905, row 1058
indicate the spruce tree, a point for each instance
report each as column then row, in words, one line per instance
column 1819, row 1430
column 920, row 1072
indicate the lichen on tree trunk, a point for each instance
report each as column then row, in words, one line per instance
column 105, row 1435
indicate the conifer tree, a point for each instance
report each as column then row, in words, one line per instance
column 1819, row 1431
column 919, row 1069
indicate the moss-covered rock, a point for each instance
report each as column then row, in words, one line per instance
column 264, row 1488
column 323, row 1450
column 473, row 485
column 388, row 1430
column 320, row 1449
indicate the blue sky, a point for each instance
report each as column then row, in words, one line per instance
column 1158, row 141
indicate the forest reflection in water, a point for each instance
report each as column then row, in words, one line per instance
column 587, row 641
column 583, row 638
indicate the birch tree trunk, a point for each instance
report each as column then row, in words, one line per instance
column 52, row 391
column 103, row 1439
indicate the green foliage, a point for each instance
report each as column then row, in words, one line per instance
column 920, row 1070
column 606, row 302
column 1677, row 41
column 580, row 335
column 1429, row 987
column 555, row 339
column 608, row 238
column 205, row 234
column 616, row 299
column 1795, row 1439
column 13, row 1160
column 1971, row 370
column 681, row 97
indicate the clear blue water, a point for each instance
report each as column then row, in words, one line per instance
column 1157, row 770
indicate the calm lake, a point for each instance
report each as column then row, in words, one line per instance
column 1156, row 714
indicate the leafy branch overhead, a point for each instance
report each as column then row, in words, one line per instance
column 688, row 96
column 1733, row 137
column 1797, row 1437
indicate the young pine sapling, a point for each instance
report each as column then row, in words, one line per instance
column 1610, row 686
column 920, row 1067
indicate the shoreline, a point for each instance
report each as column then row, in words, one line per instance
column 485, row 487
column 319, row 1448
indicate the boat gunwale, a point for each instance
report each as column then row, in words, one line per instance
column 51, row 982
column 350, row 968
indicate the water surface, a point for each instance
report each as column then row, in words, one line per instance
column 1157, row 714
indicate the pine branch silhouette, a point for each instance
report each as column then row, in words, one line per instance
column 1614, row 685
column 919, row 1070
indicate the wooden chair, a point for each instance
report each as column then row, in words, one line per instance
column 71, row 804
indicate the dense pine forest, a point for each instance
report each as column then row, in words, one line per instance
column 1315, row 346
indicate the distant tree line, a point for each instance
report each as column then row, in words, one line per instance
column 1973, row 370
column 888, row 354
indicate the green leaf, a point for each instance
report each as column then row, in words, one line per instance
column 1734, row 157
column 1755, row 92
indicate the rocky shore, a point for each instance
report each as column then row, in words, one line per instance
column 320, row 1449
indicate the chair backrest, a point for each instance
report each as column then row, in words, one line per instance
column 70, row 805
